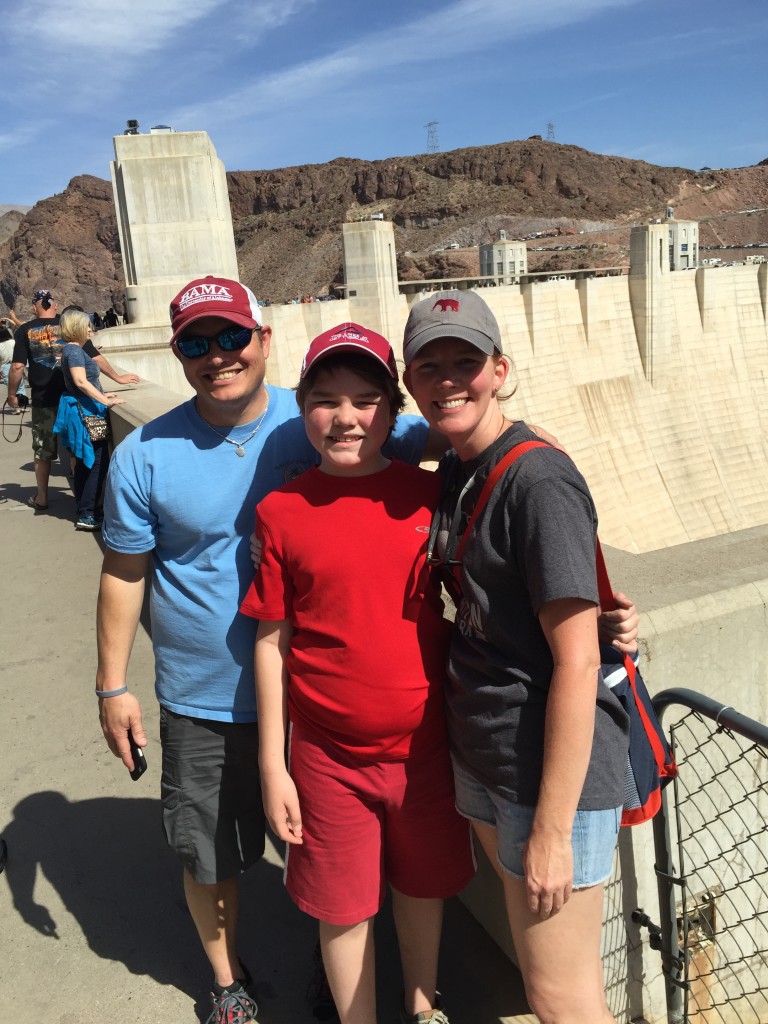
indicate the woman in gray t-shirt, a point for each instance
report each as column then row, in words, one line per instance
column 539, row 742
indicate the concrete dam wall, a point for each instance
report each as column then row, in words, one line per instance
column 679, row 459
column 682, row 457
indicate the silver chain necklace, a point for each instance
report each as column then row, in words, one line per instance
column 239, row 445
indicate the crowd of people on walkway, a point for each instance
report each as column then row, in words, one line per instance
column 109, row 319
column 63, row 369
column 384, row 729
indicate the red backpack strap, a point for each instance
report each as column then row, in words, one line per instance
column 604, row 588
column 665, row 764
column 492, row 479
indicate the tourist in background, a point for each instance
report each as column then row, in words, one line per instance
column 85, row 397
column 6, row 357
column 105, row 367
column 37, row 345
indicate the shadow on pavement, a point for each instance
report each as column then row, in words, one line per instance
column 108, row 861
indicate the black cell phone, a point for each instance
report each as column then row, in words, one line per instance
column 139, row 761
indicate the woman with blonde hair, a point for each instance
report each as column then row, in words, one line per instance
column 84, row 397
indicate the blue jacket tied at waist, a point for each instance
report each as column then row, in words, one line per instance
column 69, row 423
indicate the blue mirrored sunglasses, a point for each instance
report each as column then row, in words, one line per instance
column 231, row 339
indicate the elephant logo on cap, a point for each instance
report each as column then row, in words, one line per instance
column 446, row 304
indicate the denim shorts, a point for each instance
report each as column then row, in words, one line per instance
column 593, row 839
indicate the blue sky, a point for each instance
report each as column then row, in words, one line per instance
column 283, row 82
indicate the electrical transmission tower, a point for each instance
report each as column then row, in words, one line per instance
column 433, row 143
column 550, row 132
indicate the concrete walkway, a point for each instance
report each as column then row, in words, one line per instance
column 93, row 924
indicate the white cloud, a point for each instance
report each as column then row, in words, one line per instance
column 456, row 32
column 18, row 138
column 96, row 44
column 96, row 48
column 100, row 32
column 253, row 21
column 589, row 101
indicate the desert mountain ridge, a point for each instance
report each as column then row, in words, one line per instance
column 288, row 221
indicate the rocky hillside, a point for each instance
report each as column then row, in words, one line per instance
column 69, row 244
column 288, row 221
column 9, row 222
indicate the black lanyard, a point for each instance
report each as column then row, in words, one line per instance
column 453, row 538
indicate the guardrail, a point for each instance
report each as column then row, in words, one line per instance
column 512, row 277
column 711, row 845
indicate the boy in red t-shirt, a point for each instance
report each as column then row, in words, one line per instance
column 352, row 648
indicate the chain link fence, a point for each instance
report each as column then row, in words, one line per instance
column 711, row 843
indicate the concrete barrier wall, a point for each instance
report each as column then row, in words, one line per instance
column 146, row 351
column 684, row 459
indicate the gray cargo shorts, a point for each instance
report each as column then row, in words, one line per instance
column 44, row 444
column 211, row 795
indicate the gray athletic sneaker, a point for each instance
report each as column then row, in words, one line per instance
column 232, row 1005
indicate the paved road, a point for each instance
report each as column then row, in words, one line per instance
column 93, row 925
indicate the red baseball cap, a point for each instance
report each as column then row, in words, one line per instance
column 351, row 338
column 214, row 296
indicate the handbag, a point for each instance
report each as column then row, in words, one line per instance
column 96, row 426
column 650, row 764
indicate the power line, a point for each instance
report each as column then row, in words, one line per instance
column 550, row 132
column 433, row 143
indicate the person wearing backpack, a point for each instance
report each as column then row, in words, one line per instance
column 538, row 740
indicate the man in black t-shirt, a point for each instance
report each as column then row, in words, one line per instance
column 38, row 345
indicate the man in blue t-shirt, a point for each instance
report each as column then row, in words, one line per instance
column 180, row 498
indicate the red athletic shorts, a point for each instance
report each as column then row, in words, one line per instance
column 366, row 825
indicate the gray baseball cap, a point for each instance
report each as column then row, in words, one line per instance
column 454, row 314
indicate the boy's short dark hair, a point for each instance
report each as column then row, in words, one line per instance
column 364, row 366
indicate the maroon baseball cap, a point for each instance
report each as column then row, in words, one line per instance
column 214, row 296
column 351, row 338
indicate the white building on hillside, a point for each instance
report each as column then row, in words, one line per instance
column 504, row 259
